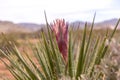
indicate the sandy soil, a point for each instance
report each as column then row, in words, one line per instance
column 4, row 72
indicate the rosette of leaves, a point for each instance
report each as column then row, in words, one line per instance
column 49, row 63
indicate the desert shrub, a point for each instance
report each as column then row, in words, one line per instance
column 5, row 40
column 81, row 62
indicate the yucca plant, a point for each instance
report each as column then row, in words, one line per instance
column 59, row 56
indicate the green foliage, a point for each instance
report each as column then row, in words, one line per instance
column 5, row 40
column 83, row 56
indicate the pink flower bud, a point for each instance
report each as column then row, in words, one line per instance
column 60, row 29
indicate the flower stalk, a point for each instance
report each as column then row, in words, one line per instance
column 60, row 29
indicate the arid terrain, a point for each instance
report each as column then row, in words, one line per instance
column 28, row 31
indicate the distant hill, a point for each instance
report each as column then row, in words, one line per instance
column 31, row 26
column 7, row 26
column 101, row 25
column 108, row 24
column 77, row 24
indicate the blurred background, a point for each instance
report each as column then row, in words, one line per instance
column 21, row 21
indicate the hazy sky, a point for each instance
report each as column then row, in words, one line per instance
column 71, row 10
